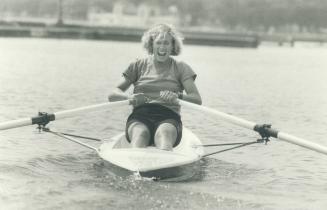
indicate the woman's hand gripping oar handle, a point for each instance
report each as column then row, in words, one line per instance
column 44, row 118
column 264, row 130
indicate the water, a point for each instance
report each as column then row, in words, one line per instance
column 279, row 85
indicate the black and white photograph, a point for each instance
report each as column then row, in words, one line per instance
column 163, row 104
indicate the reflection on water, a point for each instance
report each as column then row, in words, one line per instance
column 283, row 86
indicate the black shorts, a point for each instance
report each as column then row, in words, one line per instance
column 152, row 115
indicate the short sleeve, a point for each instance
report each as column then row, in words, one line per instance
column 131, row 73
column 186, row 72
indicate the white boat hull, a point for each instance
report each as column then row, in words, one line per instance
column 120, row 153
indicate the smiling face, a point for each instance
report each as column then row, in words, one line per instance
column 162, row 47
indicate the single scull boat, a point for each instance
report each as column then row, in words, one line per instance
column 149, row 161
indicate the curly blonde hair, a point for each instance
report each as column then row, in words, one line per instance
column 150, row 35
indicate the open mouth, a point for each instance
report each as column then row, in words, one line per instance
column 162, row 53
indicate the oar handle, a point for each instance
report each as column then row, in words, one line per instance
column 44, row 118
column 263, row 130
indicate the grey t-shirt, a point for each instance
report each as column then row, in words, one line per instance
column 146, row 79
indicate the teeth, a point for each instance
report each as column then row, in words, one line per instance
column 161, row 53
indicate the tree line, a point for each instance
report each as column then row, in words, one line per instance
column 254, row 15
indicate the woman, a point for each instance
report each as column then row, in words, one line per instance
column 158, row 80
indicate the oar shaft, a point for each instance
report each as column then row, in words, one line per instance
column 62, row 114
column 15, row 123
column 253, row 126
column 92, row 108
column 229, row 118
column 302, row 142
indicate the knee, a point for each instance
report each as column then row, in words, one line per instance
column 165, row 136
column 166, row 130
column 143, row 134
column 140, row 138
column 139, row 135
column 138, row 129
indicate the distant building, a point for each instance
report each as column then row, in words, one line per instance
column 128, row 14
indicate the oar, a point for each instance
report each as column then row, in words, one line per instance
column 265, row 131
column 44, row 118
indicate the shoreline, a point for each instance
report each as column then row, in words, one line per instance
column 123, row 34
column 134, row 34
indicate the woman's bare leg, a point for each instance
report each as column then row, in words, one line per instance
column 139, row 134
column 165, row 136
